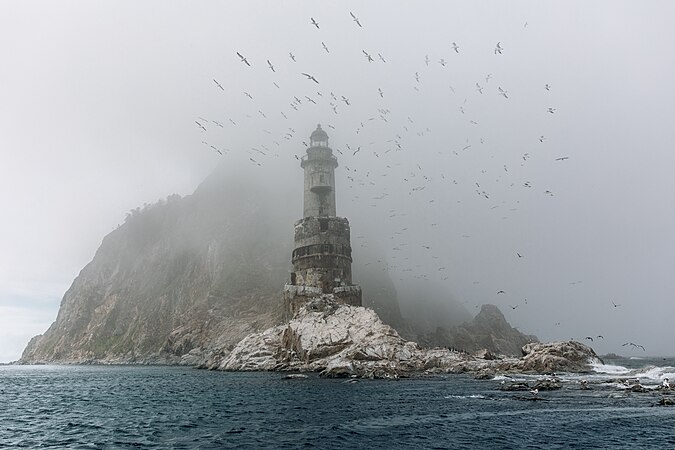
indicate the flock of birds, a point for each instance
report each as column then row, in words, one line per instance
column 374, row 185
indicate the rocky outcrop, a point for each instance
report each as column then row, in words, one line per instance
column 340, row 341
column 570, row 356
column 489, row 331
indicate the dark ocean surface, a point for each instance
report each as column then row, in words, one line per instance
column 100, row 407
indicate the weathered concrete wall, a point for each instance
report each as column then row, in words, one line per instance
column 297, row 296
column 322, row 230
column 322, row 257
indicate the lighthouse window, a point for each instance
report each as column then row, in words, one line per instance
column 323, row 225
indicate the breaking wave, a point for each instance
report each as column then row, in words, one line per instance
column 648, row 373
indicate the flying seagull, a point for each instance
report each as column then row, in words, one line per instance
column 455, row 47
column 325, row 47
column 634, row 345
column 218, row 84
column 498, row 48
column 315, row 23
column 370, row 58
column 356, row 19
column 381, row 57
column 563, row 158
column 243, row 59
column 502, row 92
column 551, row 110
column 547, row 87
column 310, row 77
column 292, row 56
column 269, row 64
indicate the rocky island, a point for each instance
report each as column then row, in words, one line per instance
column 196, row 281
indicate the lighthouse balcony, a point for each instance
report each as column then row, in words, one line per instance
column 321, row 188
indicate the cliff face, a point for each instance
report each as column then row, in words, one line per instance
column 178, row 279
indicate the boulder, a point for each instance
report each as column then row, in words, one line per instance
column 568, row 356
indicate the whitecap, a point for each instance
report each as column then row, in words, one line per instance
column 609, row 369
column 502, row 377
column 655, row 373
column 465, row 396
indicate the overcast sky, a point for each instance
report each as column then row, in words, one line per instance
column 458, row 181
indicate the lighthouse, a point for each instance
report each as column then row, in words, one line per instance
column 322, row 255
column 319, row 164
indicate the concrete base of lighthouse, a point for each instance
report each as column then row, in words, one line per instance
column 297, row 296
column 322, row 261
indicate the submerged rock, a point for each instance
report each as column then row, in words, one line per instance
column 515, row 387
column 550, row 384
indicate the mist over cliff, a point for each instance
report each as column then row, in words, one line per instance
column 161, row 283
column 186, row 274
column 187, row 277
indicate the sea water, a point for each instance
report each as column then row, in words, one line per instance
column 107, row 407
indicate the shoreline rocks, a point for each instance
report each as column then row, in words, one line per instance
column 345, row 341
